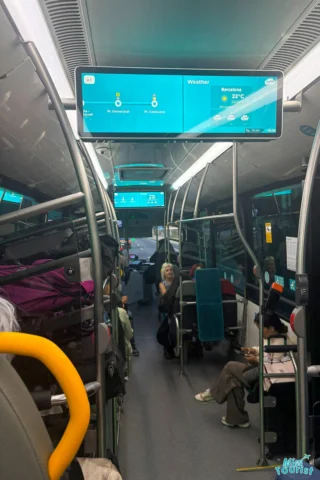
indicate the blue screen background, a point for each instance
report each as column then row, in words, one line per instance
column 138, row 199
column 164, row 104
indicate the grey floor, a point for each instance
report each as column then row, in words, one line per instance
column 165, row 434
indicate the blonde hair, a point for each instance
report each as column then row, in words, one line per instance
column 8, row 320
column 163, row 269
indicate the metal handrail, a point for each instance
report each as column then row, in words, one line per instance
column 174, row 204
column 185, row 198
column 292, row 106
column 196, row 206
column 42, row 208
column 98, row 185
column 225, row 216
column 61, row 399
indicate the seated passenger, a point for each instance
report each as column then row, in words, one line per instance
column 128, row 331
column 135, row 351
column 194, row 268
column 159, row 257
column 237, row 376
column 167, row 276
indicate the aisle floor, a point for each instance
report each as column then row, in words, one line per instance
column 165, row 434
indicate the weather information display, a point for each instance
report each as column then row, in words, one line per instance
column 136, row 103
column 138, row 199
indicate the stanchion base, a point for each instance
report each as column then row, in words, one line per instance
column 262, row 462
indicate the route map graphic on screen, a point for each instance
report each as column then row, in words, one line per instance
column 192, row 105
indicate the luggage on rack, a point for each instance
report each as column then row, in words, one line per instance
column 115, row 382
column 45, row 292
column 81, row 352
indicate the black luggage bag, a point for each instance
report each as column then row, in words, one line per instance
column 281, row 419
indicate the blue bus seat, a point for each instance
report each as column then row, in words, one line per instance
column 209, row 305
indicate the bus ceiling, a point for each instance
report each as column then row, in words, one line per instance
column 259, row 37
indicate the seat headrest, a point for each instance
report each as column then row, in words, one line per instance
column 188, row 289
column 27, row 446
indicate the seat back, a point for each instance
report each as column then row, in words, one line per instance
column 189, row 317
column 26, row 446
column 209, row 305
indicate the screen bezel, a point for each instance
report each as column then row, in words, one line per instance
column 140, row 191
column 204, row 137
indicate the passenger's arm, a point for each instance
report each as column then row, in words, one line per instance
column 162, row 289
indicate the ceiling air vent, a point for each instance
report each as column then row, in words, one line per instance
column 302, row 37
column 67, row 22
column 147, row 173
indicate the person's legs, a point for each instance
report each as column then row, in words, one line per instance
column 230, row 377
column 236, row 413
column 135, row 351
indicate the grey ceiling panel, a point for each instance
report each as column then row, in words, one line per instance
column 39, row 150
column 11, row 52
column 201, row 34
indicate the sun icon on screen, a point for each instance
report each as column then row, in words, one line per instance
column 224, row 98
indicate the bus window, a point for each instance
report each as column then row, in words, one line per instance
column 275, row 217
column 230, row 256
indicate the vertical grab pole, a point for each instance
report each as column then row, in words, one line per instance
column 196, row 206
column 114, row 320
column 174, row 204
column 114, row 216
column 180, row 339
column 167, row 231
column 99, row 185
column 185, row 198
column 157, row 236
column 262, row 459
column 302, row 294
column 47, row 82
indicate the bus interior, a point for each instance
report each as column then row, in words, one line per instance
column 159, row 201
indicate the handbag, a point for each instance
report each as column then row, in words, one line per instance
column 282, row 365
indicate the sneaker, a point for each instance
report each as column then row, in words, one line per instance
column 135, row 352
column 204, row 397
column 243, row 425
column 126, row 379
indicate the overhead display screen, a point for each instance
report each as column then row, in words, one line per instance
column 129, row 103
column 138, row 199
